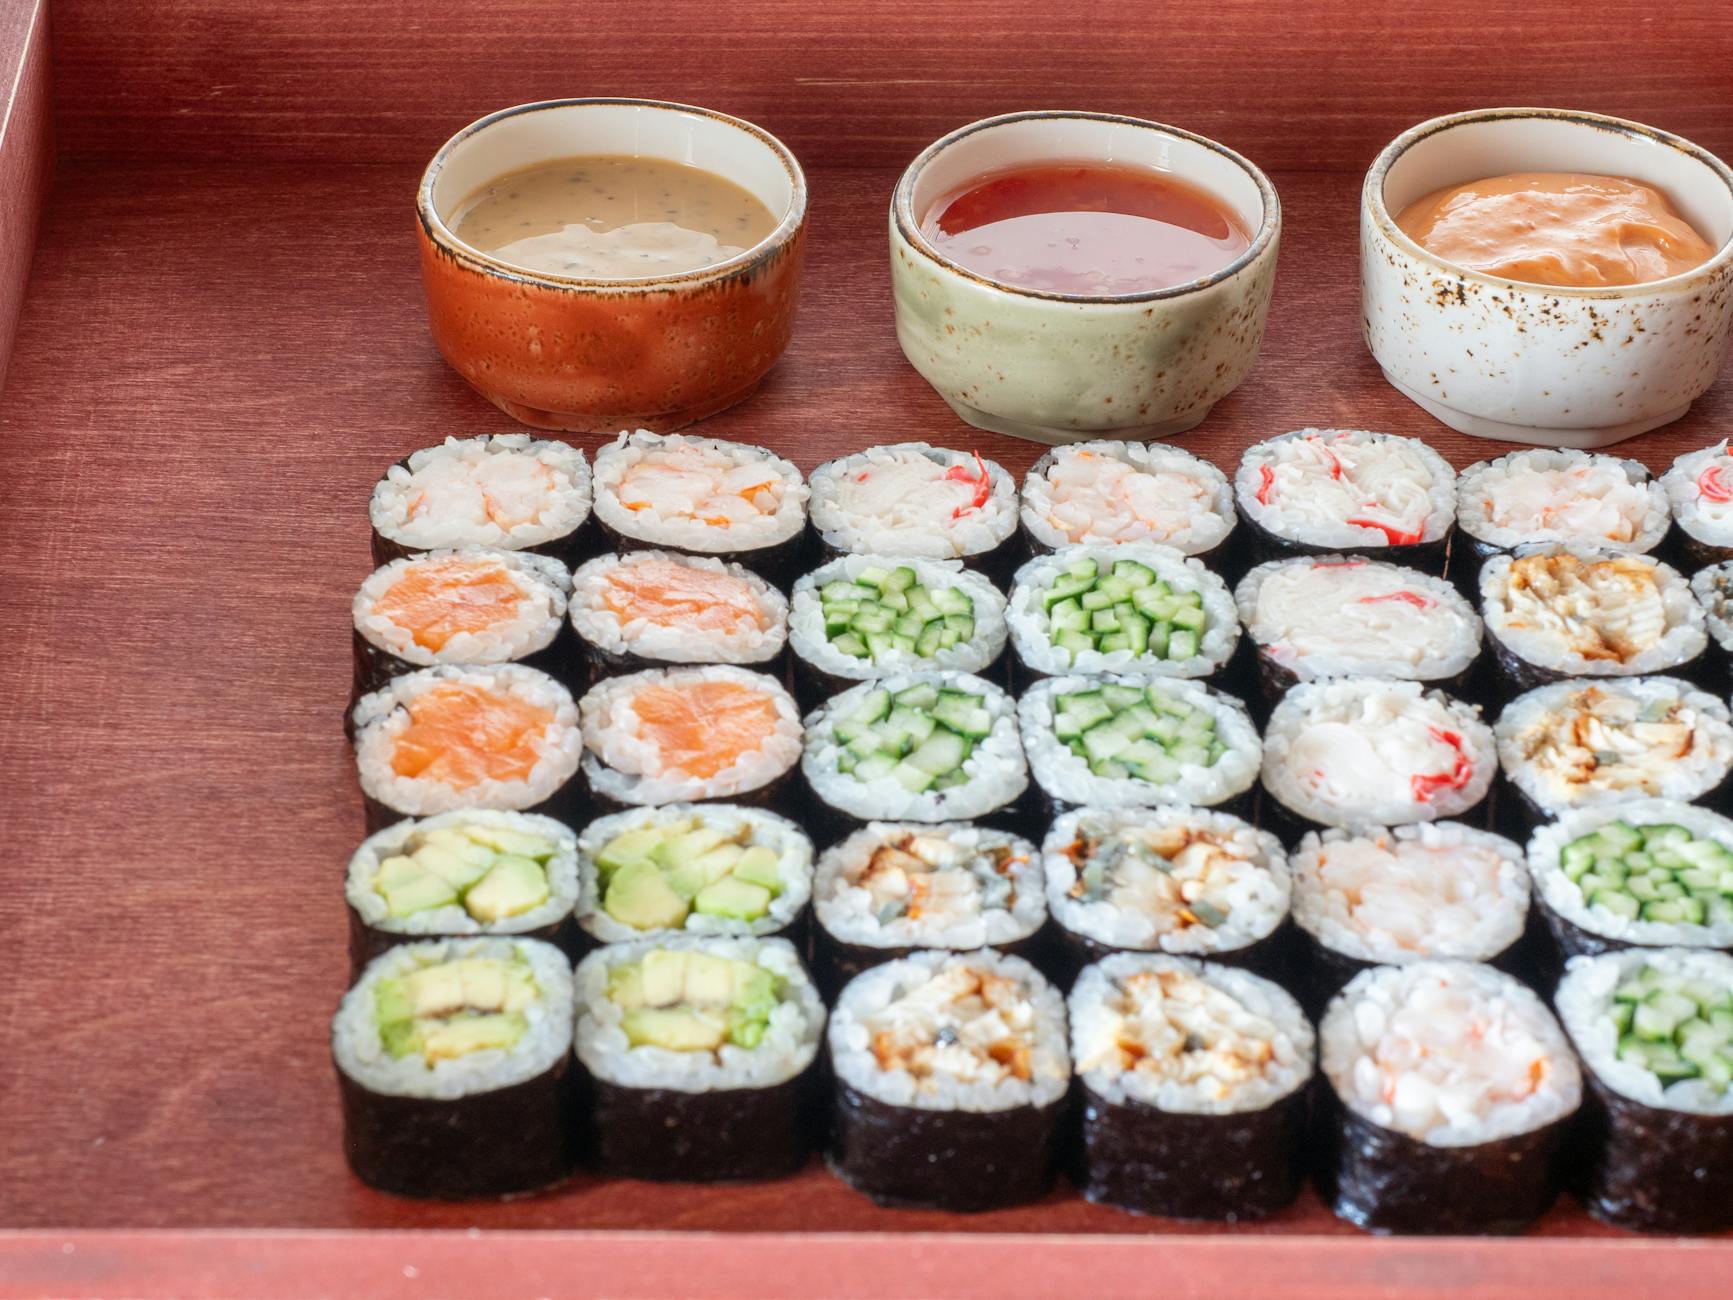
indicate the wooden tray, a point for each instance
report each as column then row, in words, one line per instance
column 221, row 345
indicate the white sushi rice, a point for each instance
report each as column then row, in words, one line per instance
column 1412, row 893
column 1107, row 492
column 506, row 490
column 624, row 763
column 361, row 1056
column 543, row 584
column 1713, row 588
column 750, row 632
column 707, row 495
column 849, row 888
column 912, row 499
column 1450, row 1053
column 1548, row 494
column 1347, row 488
column 1214, row 860
column 792, row 846
column 925, row 1005
column 1368, row 751
column 1339, row 617
column 382, row 717
column 1032, row 629
column 1703, row 515
column 789, row 1044
column 1209, row 1039
column 806, row 619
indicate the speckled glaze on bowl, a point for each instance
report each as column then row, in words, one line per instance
column 1060, row 368
column 1558, row 367
column 598, row 356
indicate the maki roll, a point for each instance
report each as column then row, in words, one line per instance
column 702, row 496
column 460, row 874
column 1324, row 490
column 1654, row 1028
column 1367, row 751
column 1350, row 617
column 862, row 617
column 698, row 1056
column 894, row 887
column 912, row 501
column 454, row 1063
column 1558, row 612
column 1193, row 1081
column 1130, row 742
column 1713, row 588
column 707, row 869
column 1131, row 608
column 1450, row 1088
column 685, row 735
column 506, row 491
column 439, row 739
column 1699, row 489
column 1108, row 492
column 1182, row 881
column 649, row 609
column 951, row 1074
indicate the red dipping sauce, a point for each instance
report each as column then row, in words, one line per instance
column 1091, row 229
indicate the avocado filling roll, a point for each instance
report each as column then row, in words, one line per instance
column 951, row 1074
column 453, row 1056
column 1449, row 1088
column 1111, row 492
column 1699, row 488
column 1655, row 1031
column 1193, row 1078
column 699, row 1053
column 1547, row 494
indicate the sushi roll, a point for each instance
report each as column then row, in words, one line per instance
column 703, row 496
column 709, row 869
column 687, row 735
column 916, row 747
column 454, row 1063
column 1713, row 588
column 1193, row 1085
column 951, row 1074
column 862, row 617
column 698, row 1057
column 652, row 609
column 1327, row 490
column 1181, row 881
column 1699, row 489
column 894, row 887
column 505, row 491
column 1654, row 1028
column 1450, row 1090
column 1114, row 741
column 1556, row 612
column 1367, row 751
column 1337, row 616
column 439, row 739
column 461, row 874
column 914, row 501
column 1130, row 608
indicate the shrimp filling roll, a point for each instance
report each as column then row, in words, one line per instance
column 1111, row 492
column 1551, row 495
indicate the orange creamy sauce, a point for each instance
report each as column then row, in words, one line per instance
column 678, row 595
column 461, row 735
column 437, row 599
column 704, row 728
column 1559, row 228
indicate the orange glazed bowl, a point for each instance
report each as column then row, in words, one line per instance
column 598, row 356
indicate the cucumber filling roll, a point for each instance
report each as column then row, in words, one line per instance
column 1699, row 489
column 699, row 1054
column 1655, row 1030
column 1106, row 492
column 1450, row 1085
column 1193, row 1080
column 708, row 869
column 951, row 1074
column 1550, row 495
column 1123, row 742
column 1134, row 607
column 1713, row 588
column 454, row 1060
column 505, row 490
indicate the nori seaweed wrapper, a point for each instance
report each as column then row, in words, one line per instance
column 374, row 667
column 1243, row 805
column 779, row 564
column 1650, row 1169
column 1274, row 679
column 1272, row 956
column 1290, row 827
column 797, row 932
column 1694, row 553
column 776, row 795
column 1428, row 557
column 827, row 824
column 1325, row 971
column 567, row 804
column 836, row 961
column 367, row 941
column 590, row 663
column 998, row 564
column 812, row 685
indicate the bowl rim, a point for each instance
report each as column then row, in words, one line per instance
column 907, row 226
column 1372, row 199
column 434, row 227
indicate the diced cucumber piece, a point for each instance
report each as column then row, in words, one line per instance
column 917, row 697
column 952, row 600
column 1182, row 644
column 930, row 641
column 873, row 618
column 1104, row 742
column 1068, row 616
column 873, row 576
column 875, row 767
column 1192, row 619
column 1073, row 643
column 940, row 753
column 1119, row 698
column 875, row 704
column 964, row 715
column 900, row 579
column 1133, row 574
column 911, row 778
column 835, row 592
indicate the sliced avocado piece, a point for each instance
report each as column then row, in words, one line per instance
column 638, row 896
column 503, row 839
column 396, row 870
column 626, row 986
column 460, row 870
column 759, row 866
column 392, row 1003
column 664, row 976
column 678, row 1029
column 753, row 986
column 435, row 990
column 400, row 1037
column 484, row 984
column 709, row 980
column 737, row 899
column 688, row 846
column 687, row 878
column 414, row 890
column 462, row 1035
column 514, row 886
column 632, row 846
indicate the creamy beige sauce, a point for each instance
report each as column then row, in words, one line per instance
column 612, row 218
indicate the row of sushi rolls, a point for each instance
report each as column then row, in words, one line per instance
column 1348, row 819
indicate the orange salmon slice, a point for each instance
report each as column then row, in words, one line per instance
column 678, row 595
column 705, row 727
column 438, row 599
column 460, row 735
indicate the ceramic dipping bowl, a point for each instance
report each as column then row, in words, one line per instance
column 599, row 356
column 1062, row 367
column 1559, row 367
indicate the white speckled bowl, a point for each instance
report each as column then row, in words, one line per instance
column 1535, row 363
column 1060, row 367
